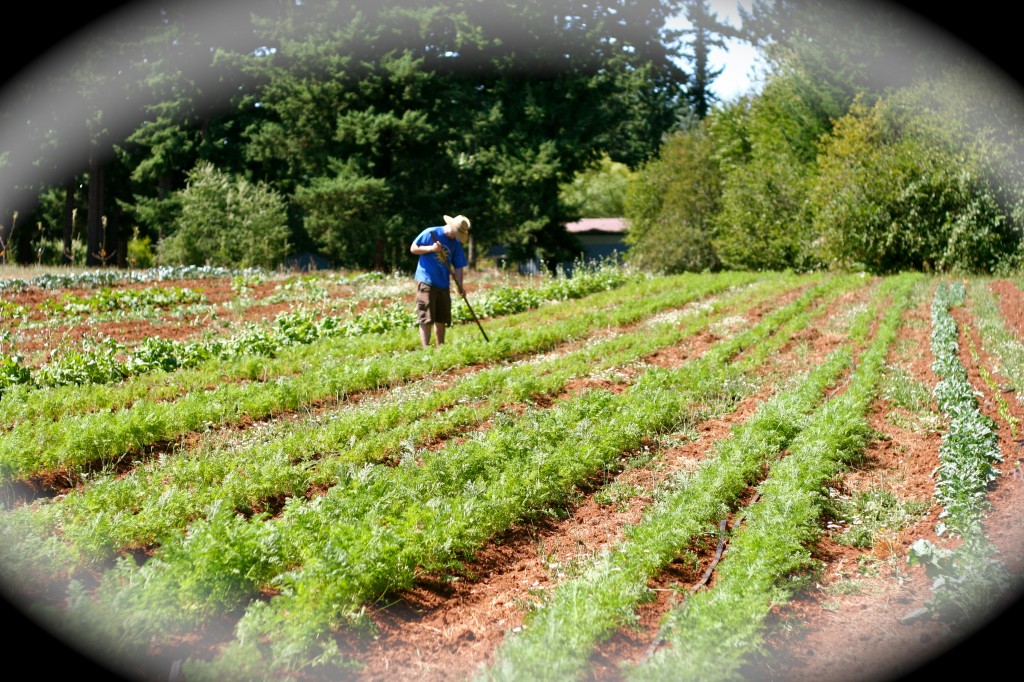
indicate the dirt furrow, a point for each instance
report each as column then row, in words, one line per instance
column 448, row 626
column 856, row 622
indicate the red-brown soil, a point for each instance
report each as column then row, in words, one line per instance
column 849, row 626
column 217, row 291
column 446, row 631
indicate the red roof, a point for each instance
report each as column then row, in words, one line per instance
column 597, row 225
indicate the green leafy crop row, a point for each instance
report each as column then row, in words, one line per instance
column 108, row 361
column 969, row 580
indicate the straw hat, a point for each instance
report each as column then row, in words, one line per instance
column 459, row 224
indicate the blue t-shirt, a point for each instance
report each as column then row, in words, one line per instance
column 431, row 269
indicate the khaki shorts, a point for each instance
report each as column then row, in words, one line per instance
column 433, row 304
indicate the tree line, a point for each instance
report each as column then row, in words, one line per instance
column 240, row 134
column 865, row 149
column 245, row 134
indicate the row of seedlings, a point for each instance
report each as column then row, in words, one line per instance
column 93, row 278
column 66, row 438
column 562, row 633
column 969, row 581
column 115, row 512
column 224, row 558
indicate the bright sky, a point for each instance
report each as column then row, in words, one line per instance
column 739, row 59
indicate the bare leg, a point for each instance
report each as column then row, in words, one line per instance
column 425, row 335
column 439, row 330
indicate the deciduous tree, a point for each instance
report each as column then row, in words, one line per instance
column 671, row 206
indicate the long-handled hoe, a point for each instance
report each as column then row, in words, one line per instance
column 462, row 292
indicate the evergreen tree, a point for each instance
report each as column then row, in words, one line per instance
column 195, row 83
column 460, row 106
column 849, row 47
column 705, row 32
column 372, row 119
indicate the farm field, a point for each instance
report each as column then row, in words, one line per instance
column 214, row 475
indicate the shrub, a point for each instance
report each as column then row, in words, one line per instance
column 671, row 204
column 140, row 252
column 893, row 195
column 227, row 222
column 767, row 151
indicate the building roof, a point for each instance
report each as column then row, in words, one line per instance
column 616, row 225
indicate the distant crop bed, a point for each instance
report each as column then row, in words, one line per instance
column 242, row 475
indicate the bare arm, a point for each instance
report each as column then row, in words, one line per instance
column 419, row 249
